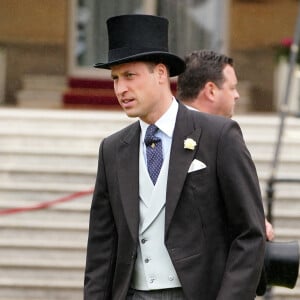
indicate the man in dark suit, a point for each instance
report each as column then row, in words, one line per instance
column 176, row 211
column 209, row 84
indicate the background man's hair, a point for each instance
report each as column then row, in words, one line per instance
column 202, row 66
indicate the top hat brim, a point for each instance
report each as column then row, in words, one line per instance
column 174, row 63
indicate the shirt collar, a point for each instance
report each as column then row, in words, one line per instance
column 166, row 122
column 190, row 107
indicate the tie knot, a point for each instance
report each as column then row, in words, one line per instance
column 150, row 135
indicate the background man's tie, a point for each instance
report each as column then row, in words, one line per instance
column 153, row 152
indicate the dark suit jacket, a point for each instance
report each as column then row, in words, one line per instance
column 214, row 226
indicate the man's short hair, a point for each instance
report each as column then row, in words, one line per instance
column 202, row 66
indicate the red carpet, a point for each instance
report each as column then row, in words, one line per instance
column 93, row 93
column 86, row 92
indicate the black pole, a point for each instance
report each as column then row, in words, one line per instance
column 270, row 195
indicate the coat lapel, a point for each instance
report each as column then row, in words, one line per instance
column 128, row 177
column 180, row 159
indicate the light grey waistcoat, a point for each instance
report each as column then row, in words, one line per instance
column 153, row 267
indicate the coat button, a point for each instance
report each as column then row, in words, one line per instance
column 152, row 278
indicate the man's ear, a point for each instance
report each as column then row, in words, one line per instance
column 162, row 72
column 210, row 90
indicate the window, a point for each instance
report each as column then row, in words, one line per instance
column 193, row 24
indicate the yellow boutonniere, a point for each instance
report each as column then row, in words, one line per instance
column 189, row 144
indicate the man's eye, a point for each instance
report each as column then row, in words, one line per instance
column 130, row 75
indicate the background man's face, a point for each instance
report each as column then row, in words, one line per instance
column 227, row 94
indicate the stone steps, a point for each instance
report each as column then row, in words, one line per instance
column 40, row 289
column 286, row 294
column 42, row 268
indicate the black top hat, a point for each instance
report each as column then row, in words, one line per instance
column 140, row 38
column 281, row 266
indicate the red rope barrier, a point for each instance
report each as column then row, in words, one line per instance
column 46, row 204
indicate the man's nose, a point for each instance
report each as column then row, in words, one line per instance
column 237, row 95
column 120, row 87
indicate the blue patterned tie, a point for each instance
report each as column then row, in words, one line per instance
column 153, row 152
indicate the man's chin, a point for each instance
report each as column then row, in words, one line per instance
column 131, row 113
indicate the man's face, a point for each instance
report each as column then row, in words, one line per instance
column 227, row 94
column 137, row 88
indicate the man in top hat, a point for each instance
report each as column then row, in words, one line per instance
column 177, row 211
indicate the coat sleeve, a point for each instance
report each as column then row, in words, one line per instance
column 244, row 210
column 101, row 247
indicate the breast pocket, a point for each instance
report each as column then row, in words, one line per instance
column 197, row 178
